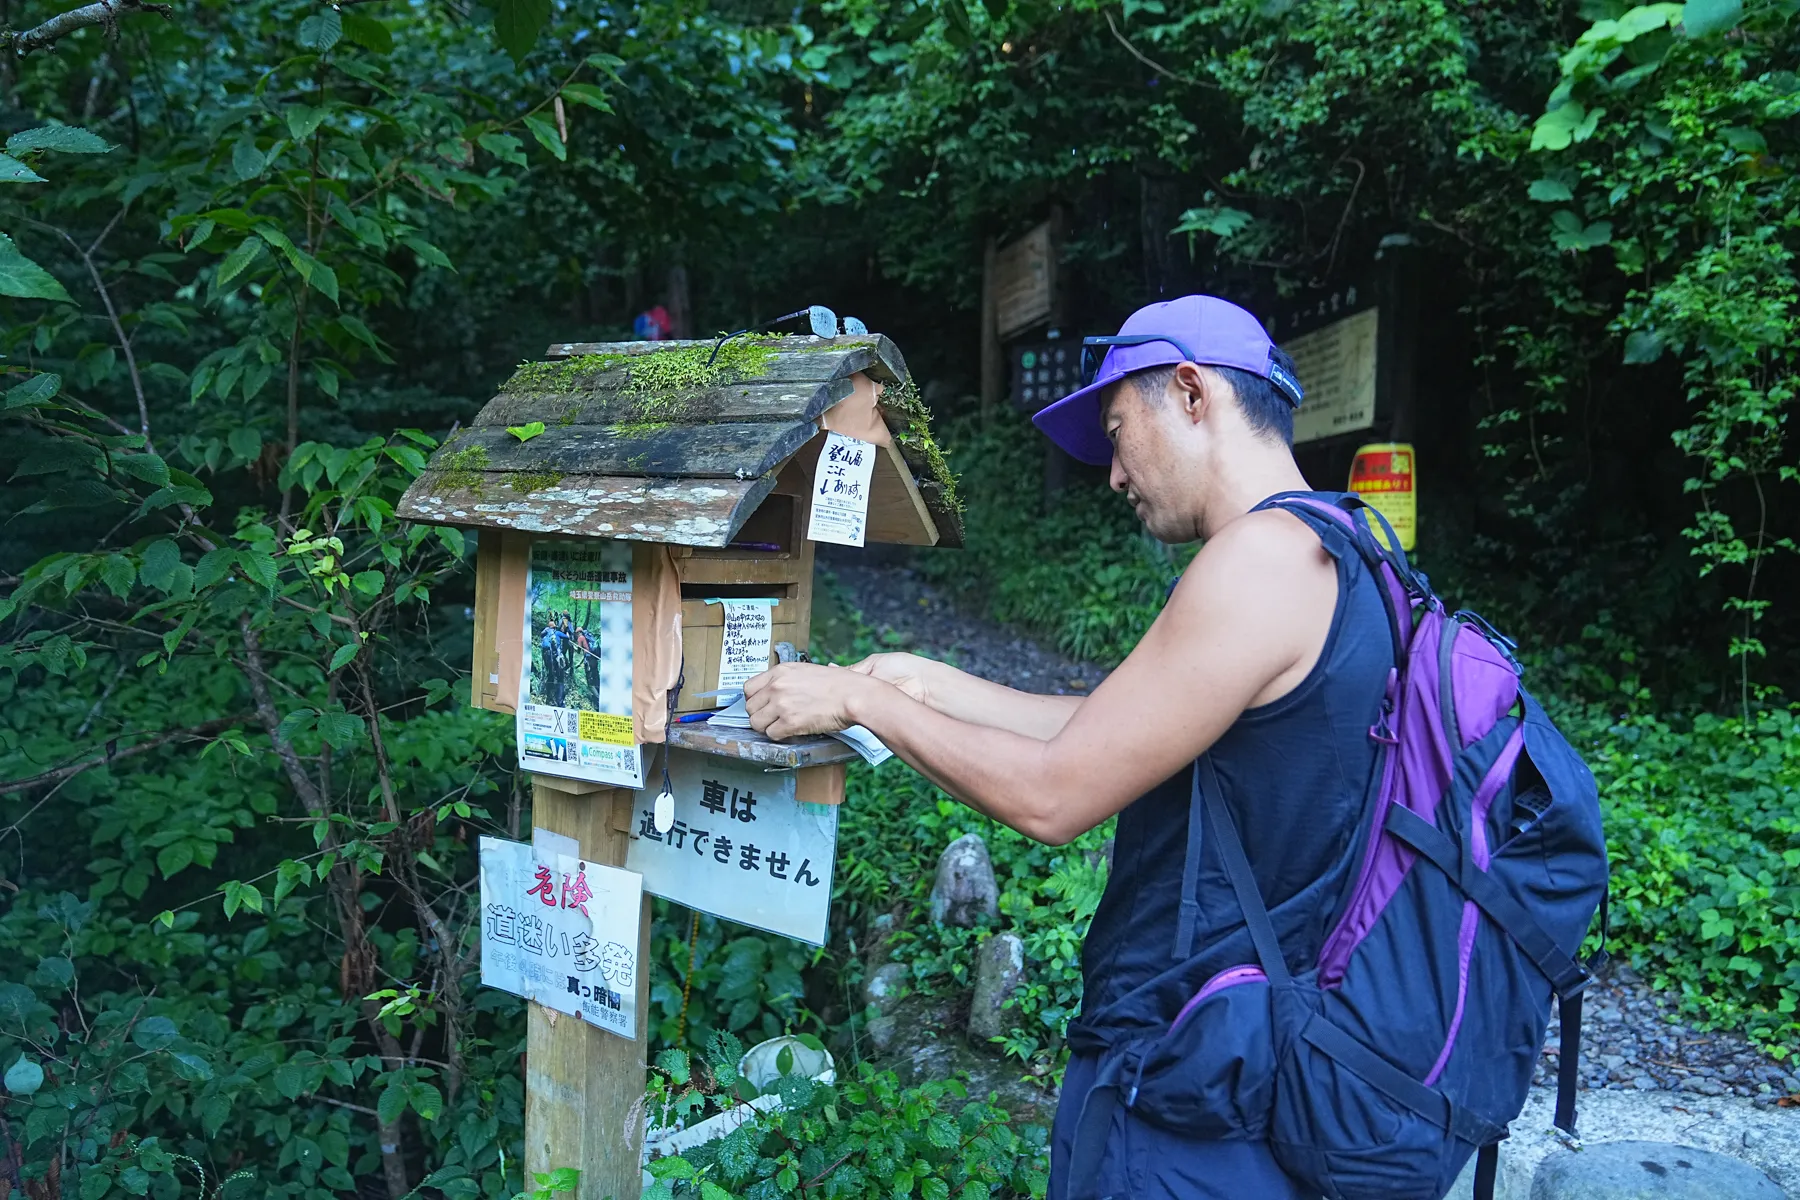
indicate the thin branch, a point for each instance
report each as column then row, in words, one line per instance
column 112, row 755
column 103, row 12
column 1142, row 57
column 112, row 314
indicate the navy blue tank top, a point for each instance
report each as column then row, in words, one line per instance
column 1296, row 774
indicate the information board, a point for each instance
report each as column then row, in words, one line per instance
column 1024, row 281
column 1336, row 365
column 1045, row 372
column 741, row 846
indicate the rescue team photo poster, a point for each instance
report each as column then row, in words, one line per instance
column 575, row 691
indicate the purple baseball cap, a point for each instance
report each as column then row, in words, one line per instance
column 1198, row 329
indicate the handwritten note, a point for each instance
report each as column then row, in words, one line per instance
column 745, row 654
column 840, row 499
column 562, row 931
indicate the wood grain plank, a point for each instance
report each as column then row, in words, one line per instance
column 751, row 746
column 704, row 512
column 605, row 401
column 737, row 450
column 584, row 1087
column 897, row 512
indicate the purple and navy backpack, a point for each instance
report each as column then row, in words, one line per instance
column 1410, row 1044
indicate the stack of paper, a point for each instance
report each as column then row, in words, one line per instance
column 736, row 716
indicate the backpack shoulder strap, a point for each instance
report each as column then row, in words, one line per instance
column 1398, row 582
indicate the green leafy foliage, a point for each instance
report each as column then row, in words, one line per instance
column 848, row 1139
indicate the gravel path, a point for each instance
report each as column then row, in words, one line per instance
column 1631, row 1037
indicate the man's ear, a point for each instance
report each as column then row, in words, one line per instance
column 1198, row 388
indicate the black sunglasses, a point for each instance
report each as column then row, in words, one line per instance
column 1094, row 350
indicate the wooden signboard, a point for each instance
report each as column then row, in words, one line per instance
column 1024, row 282
column 1337, row 366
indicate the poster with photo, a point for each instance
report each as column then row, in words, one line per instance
column 575, row 689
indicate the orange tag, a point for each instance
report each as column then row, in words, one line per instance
column 1383, row 474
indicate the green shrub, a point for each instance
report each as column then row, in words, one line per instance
column 850, row 1139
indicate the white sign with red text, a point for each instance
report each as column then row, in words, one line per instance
column 561, row 931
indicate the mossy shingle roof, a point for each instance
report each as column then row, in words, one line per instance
column 650, row 441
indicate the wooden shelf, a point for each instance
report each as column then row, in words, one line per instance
column 753, row 746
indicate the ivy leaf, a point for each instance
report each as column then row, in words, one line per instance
column 426, row 1100
column 65, row 139
column 1555, row 130
column 391, row 1104
column 544, row 130
column 155, row 1033
column 588, row 94
column 1549, row 191
column 1703, row 17
column 526, row 432
column 24, row 1077
column 39, row 389
column 430, row 253
column 368, row 33
column 302, row 120
column 517, row 24
column 321, row 31
column 247, row 162
column 24, row 279
column 1220, row 222
column 14, row 171
column 1642, row 346
column 238, row 261
column 339, row 728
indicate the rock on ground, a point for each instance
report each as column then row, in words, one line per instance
column 1766, row 1138
column 999, row 969
column 1650, row 1171
column 965, row 892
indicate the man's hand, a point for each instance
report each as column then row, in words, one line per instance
column 907, row 672
column 795, row 699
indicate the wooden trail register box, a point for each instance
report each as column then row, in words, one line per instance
column 699, row 457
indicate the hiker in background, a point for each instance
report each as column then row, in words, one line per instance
column 552, row 660
column 1238, row 744
column 590, row 663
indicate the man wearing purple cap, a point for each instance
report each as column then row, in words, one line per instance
column 1271, row 658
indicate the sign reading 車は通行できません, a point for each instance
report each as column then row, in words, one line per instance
column 740, row 846
column 574, row 713
column 560, row 930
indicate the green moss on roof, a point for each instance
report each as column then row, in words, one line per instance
column 533, row 481
column 906, row 401
column 462, row 470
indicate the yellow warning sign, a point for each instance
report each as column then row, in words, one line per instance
column 1385, row 475
column 606, row 727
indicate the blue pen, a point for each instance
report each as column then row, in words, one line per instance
column 690, row 717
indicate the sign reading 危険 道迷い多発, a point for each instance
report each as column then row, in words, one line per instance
column 740, row 846
column 560, row 930
column 574, row 712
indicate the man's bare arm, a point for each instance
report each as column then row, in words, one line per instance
column 969, row 698
column 1244, row 625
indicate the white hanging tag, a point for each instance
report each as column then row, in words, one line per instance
column 665, row 812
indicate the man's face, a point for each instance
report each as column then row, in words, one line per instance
column 1149, row 434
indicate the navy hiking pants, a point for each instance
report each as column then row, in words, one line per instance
column 1144, row 1162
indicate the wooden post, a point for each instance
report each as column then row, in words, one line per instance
column 992, row 369
column 584, row 1087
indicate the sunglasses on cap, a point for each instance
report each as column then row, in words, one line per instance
column 1094, row 350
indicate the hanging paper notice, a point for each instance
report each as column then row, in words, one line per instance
column 840, row 500
column 561, row 932
column 741, row 847
column 748, row 626
column 575, row 693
